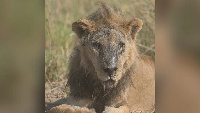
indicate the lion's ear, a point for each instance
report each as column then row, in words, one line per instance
column 82, row 27
column 133, row 27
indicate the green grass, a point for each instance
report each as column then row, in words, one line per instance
column 59, row 38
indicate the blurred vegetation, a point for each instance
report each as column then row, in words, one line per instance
column 59, row 38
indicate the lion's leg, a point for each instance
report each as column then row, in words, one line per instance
column 64, row 108
column 121, row 109
column 73, row 105
column 82, row 102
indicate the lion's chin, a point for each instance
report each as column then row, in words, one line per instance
column 109, row 84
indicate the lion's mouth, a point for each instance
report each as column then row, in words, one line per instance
column 109, row 83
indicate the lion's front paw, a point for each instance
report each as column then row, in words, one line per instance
column 121, row 109
column 64, row 108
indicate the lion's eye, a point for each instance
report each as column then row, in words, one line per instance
column 121, row 44
column 96, row 45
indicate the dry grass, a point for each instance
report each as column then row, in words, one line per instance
column 59, row 15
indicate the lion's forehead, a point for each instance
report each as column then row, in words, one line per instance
column 107, row 35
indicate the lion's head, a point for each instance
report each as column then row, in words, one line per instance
column 107, row 44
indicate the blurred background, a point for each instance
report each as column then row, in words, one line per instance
column 35, row 37
column 22, row 55
column 177, row 56
column 59, row 38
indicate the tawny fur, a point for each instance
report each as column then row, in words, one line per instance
column 135, row 89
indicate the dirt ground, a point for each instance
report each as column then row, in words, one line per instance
column 54, row 91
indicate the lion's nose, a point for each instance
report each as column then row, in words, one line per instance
column 110, row 71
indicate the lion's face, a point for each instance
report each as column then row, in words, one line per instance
column 108, row 50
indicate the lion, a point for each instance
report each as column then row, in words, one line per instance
column 106, row 72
